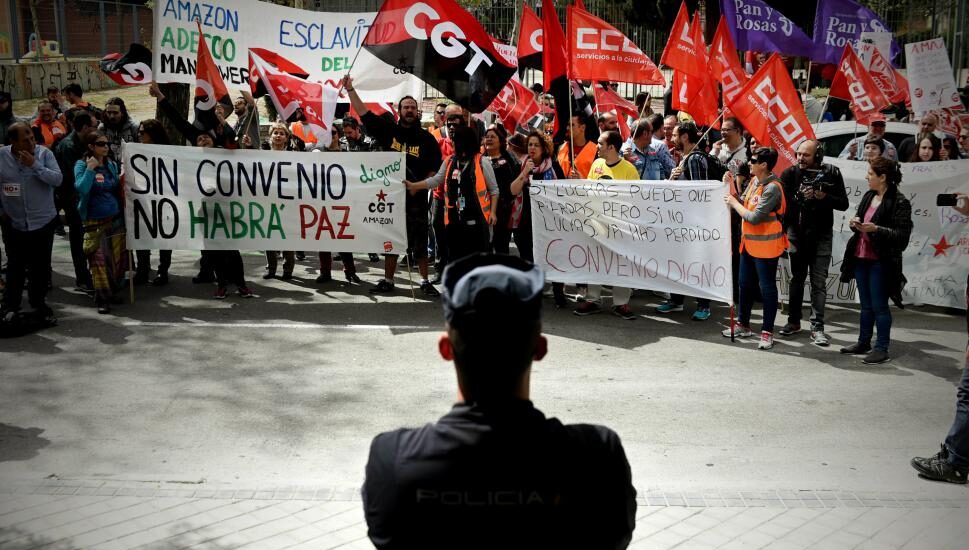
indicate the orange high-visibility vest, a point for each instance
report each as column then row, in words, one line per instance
column 480, row 189
column 768, row 238
column 583, row 159
column 297, row 129
column 52, row 132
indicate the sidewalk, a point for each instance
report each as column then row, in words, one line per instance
column 112, row 515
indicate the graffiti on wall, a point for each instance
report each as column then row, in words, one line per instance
column 28, row 80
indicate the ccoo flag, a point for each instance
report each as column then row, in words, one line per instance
column 853, row 83
column 443, row 45
column 770, row 108
column 597, row 51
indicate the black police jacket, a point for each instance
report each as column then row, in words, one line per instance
column 808, row 221
column 499, row 477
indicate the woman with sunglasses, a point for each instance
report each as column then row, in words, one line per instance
column 98, row 187
column 762, row 241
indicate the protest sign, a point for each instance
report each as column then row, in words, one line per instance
column 883, row 41
column 323, row 44
column 935, row 261
column 930, row 79
column 658, row 235
column 187, row 198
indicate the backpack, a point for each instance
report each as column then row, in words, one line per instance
column 715, row 168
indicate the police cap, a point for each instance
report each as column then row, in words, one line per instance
column 490, row 286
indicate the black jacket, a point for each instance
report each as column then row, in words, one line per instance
column 503, row 477
column 811, row 220
column 894, row 220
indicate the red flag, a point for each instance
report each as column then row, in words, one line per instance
column 681, row 52
column 553, row 40
column 515, row 105
column 854, row 84
column 209, row 86
column 887, row 78
column 530, row 40
column 597, row 51
column 294, row 96
column 442, row 44
column 608, row 100
column 724, row 63
column 697, row 95
column 769, row 107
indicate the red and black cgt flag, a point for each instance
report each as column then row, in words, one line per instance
column 130, row 69
column 530, row 40
column 443, row 45
column 274, row 61
column 210, row 89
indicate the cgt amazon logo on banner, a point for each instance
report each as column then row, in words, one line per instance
column 188, row 198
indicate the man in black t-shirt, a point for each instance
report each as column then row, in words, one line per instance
column 495, row 472
column 423, row 159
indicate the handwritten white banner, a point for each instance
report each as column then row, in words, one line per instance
column 658, row 235
column 188, row 198
column 937, row 258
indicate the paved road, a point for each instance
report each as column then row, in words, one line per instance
column 183, row 412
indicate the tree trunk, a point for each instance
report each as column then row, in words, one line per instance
column 177, row 95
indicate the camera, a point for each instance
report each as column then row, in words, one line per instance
column 815, row 180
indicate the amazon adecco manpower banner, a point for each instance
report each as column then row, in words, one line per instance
column 658, row 235
column 937, row 258
column 322, row 43
column 188, row 198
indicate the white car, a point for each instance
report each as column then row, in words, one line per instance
column 836, row 135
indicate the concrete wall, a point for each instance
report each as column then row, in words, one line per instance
column 28, row 80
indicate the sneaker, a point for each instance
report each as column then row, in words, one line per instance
column 269, row 275
column 876, row 357
column 587, row 308
column 352, row 277
column 701, row 314
column 373, row 257
column 160, row 280
column 790, row 329
column 669, row 307
column 766, row 340
column 383, row 287
column 428, row 289
column 324, row 278
column 856, row 349
column 220, row 293
column 104, row 309
column 287, row 276
column 938, row 468
column 245, row 292
column 300, row 256
column 820, row 338
column 624, row 311
column 739, row 331
column 436, row 279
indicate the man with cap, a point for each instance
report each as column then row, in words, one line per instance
column 495, row 472
column 855, row 148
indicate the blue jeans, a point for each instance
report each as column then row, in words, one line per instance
column 874, row 304
column 957, row 442
column 752, row 271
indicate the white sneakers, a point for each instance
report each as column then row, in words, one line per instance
column 766, row 340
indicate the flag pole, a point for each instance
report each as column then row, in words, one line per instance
column 824, row 108
column 807, row 78
column 571, row 143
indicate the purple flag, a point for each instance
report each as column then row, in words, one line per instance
column 755, row 26
column 838, row 22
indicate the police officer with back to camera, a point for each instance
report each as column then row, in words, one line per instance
column 814, row 190
column 495, row 472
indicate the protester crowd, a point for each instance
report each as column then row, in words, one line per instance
column 466, row 193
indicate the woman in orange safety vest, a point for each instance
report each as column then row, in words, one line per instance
column 762, row 242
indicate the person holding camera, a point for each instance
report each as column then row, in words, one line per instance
column 814, row 191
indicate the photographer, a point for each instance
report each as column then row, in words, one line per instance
column 814, row 190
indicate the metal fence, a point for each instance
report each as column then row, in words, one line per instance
column 81, row 28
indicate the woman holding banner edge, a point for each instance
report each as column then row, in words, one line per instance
column 762, row 242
